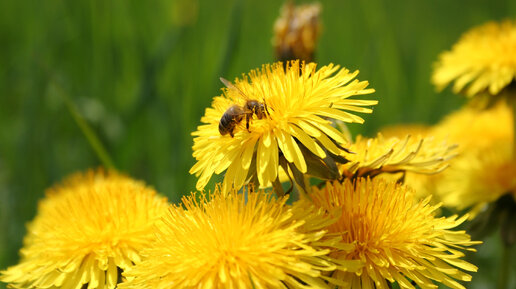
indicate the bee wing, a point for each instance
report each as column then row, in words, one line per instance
column 230, row 85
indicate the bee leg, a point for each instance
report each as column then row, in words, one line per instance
column 231, row 133
column 247, row 118
column 266, row 108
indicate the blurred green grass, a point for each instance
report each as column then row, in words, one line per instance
column 142, row 73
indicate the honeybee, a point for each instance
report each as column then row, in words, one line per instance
column 235, row 114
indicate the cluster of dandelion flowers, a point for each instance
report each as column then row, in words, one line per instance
column 398, row 238
column 87, row 231
column 300, row 102
column 248, row 240
column 482, row 61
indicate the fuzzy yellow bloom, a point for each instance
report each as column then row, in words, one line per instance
column 480, row 176
column 87, row 231
column 482, row 61
column 485, row 168
column 248, row 240
column 295, row 127
column 398, row 238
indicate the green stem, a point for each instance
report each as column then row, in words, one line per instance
column 503, row 281
column 87, row 131
column 308, row 186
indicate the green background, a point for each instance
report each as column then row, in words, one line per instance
column 142, row 72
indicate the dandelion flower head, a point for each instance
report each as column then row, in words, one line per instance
column 398, row 238
column 479, row 177
column 301, row 103
column 484, row 169
column 233, row 240
column 87, row 231
column 482, row 61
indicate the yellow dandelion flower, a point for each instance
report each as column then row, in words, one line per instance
column 373, row 156
column 482, row 61
column 296, row 32
column 87, row 231
column 478, row 177
column 398, row 238
column 483, row 170
column 248, row 240
column 294, row 127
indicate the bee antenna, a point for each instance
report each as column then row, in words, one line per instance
column 230, row 85
column 266, row 108
column 226, row 82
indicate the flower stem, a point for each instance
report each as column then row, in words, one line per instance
column 308, row 186
column 88, row 133
column 505, row 264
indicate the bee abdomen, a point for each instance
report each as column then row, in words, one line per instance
column 230, row 119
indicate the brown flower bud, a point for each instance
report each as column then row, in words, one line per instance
column 296, row 32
